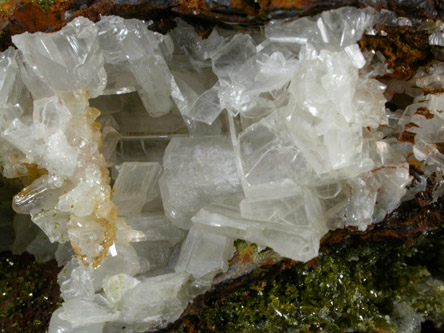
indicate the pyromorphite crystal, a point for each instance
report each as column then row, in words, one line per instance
column 367, row 288
column 154, row 153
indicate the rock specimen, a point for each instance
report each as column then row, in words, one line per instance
column 273, row 137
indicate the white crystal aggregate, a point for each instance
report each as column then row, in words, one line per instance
column 272, row 137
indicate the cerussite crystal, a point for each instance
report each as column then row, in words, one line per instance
column 146, row 156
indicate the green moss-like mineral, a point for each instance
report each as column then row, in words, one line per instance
column 28, row 293
column 367, row 288
column 45, row 4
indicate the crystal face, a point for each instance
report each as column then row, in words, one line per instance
column 145, row 156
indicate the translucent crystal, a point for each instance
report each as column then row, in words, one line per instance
column 50, row 114
column 115, row 286
column 340, row 27
column 345, row 26
column 271, row 167
column 427, row 152
column 122, row 258
column 63, row 254
column 14, row 95
column 134, row 186
column 233, row 55
column 58, row 325
column 80, row 201
column 355, row 55
column 130, row 45
column 66, row 60
column 317, row 120
column 437, row 38
column 44, row 140
column 156, row 253
column 196, row 171
column 301, row 243
column 82, row 312
column 206, row 107
column 132, row 118
column 280, row 209
column 53, row 223
column 41, row 248
column 392, row 188
column 156, row 227
column 110, row 140
column 249, row 74
column 197, row 50
column 161, row 302
column 75, row 281
column 435, row 80
column 25, row 231
column 204, row 254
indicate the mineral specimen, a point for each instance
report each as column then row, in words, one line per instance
column 273, row 137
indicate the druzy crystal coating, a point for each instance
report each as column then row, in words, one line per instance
column 145, row 156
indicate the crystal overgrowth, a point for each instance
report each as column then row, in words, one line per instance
column 273, row 137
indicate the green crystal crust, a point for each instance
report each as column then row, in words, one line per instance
column 348, row 288
column 29, row 293
column 352, row 288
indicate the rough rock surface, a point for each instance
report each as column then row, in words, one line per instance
column 18, row 16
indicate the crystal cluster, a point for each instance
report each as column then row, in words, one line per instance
column 273, row 137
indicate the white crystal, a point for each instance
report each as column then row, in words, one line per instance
column 335, row 28
column 14, row 95
column 116, row 285
column 58, row 325
column 436, row 38
column 39, row 195
column 122, row 258
column 204, row 254
column 270, row 168
column 206, row 107
column 299, row 243
column 161, row 300
column 53, row 223
column 66, row 60
column 156, row 227
column 75, row 281
column 196, row 172
column 81, row 312
column 129, row 44
column 197, row 50
column 135, row 186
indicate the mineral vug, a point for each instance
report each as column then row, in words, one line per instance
column 145, row 156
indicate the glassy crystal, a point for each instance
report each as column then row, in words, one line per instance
column 131, row 46
column 115, row 286
column 196, row 172
column 135, row 186
column 82, row 312
column 161, row 302
column 66, row 60
column 58, row 325
column 204, row 254
column 299, row 243
column 156, row 227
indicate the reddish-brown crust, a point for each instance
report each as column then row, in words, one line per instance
column 404, row 48
column 18, row 16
